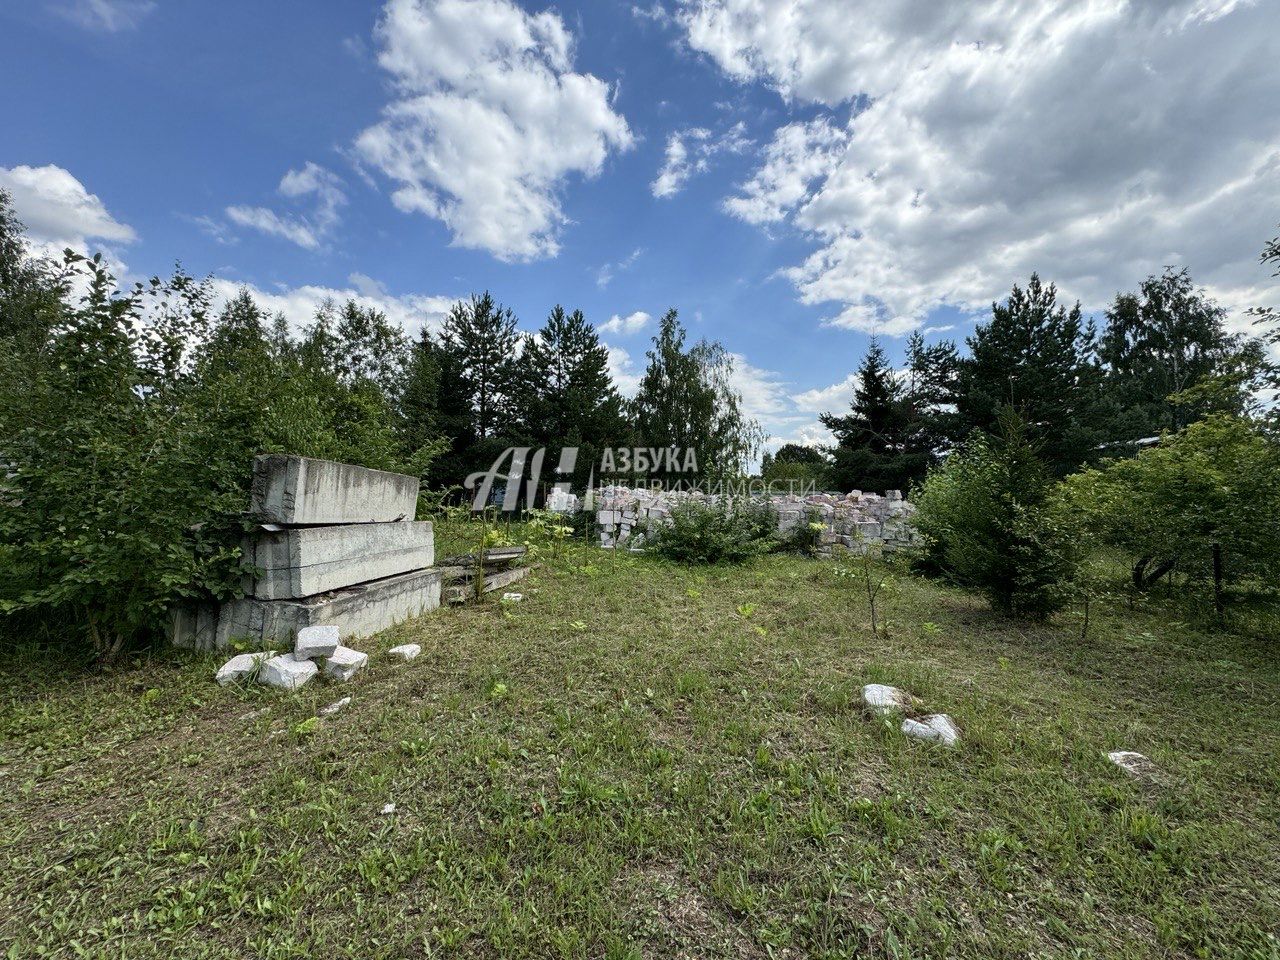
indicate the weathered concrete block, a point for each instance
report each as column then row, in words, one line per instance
column 405, row 652
column 357, row 611
column 309, row 560
column 239, row 667
column 287, row 672
column 344, row 663
column 300, row 490
column 194, row 626
column 316, row 642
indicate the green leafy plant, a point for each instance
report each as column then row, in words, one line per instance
column 714, row 532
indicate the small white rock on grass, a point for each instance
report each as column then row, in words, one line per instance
column 287, row 672
column 937, row 727
column 405, row 652
column 315, row 642
column 238, row 667
column 334, row 707
column 388, row 809
column 512, row 597
column 883, row 699
column 344, row 663
column 1133, row 763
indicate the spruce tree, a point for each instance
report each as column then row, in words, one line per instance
column 567, row 397
column 872, row 449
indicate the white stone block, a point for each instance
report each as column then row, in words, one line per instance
column 240, row 667
column 287, row 672
column 405, row 652
column 344, row 663
column 881, row 698
column 315, row 642
column 937, row 727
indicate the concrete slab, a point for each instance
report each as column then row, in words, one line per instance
column 300, row 490
column 304, row 561
column 358, row 611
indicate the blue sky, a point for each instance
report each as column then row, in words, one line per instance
column 790, row 176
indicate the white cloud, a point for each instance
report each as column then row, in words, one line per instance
column 308, row 231
column 626, row 326
column 1094, row 143
column 610, row 270
column 654, row 12
column 690, row 151
column 109, row 16
column 836, row 397
column 59, row 212
column 299, row 304
column 799, row 154
column 489, row 121
column 623, row 370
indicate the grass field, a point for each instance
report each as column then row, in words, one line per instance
column 640, row 760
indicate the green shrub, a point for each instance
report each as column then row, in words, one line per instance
column 990, row 522
column 714, row 532
column 1217, row 482
column 129, row 420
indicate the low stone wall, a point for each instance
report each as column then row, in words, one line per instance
column 852, row 521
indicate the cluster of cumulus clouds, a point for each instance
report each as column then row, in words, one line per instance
column 930, row 154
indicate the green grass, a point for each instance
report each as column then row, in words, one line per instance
column 643, row 760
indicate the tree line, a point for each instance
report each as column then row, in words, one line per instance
column 1164, row 359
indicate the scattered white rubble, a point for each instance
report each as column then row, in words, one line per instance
column 287, row 672
column 334, row 707
column 512, row 597
column 937, row 727
column 315, row 642
column 388, row 809
column 1133, row 763
column 240, row 666
column 406, row 651
column 344, row 663
column 883, row 699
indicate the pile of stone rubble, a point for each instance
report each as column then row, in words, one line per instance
column 316, row 651
column 853, row 521
column 884, row 700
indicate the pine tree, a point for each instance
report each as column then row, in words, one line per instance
column 686, row 401
column 1036, row 356
column 480, row 339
